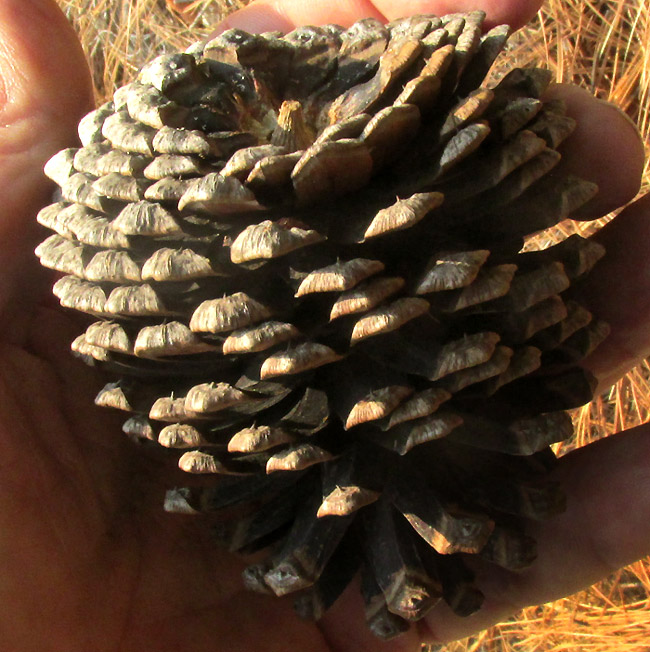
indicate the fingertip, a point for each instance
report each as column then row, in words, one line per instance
column 605, row 148
column 617, row 290
column 515, row 13
column 631, row 152
column 255, row 18
column 285, row 15
column 44, row 89
column 42, row 65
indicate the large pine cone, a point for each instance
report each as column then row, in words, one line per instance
column 304, row 256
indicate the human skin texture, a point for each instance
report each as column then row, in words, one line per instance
column 88, row 560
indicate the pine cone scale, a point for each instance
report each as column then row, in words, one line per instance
column 302, row 259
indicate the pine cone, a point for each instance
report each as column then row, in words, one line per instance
column 304, row 255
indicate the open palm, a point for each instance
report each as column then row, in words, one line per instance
column 88, row 560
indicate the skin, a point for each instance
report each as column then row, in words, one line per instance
column 87, row 559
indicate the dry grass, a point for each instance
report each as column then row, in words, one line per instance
column 601, row 45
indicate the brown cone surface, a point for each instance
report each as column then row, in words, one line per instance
column 301, row 256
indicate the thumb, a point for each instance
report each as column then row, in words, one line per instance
column 44, row 89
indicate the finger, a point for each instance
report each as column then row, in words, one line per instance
column 285, row 15
column 516, row 14
column 44, row 89
column 618, row 291
column 605, row 148
column 605, row 527
column 344, row 628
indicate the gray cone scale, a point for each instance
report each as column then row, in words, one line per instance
column 301, row 261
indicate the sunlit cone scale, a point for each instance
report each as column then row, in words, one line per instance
column 302, row 260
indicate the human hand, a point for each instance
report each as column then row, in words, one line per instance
column 89, row 561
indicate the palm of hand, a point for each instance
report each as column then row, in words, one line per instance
column 96, row 563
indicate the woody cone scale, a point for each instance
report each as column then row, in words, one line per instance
column 301, row 257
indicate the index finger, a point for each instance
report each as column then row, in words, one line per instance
column 285, row 15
